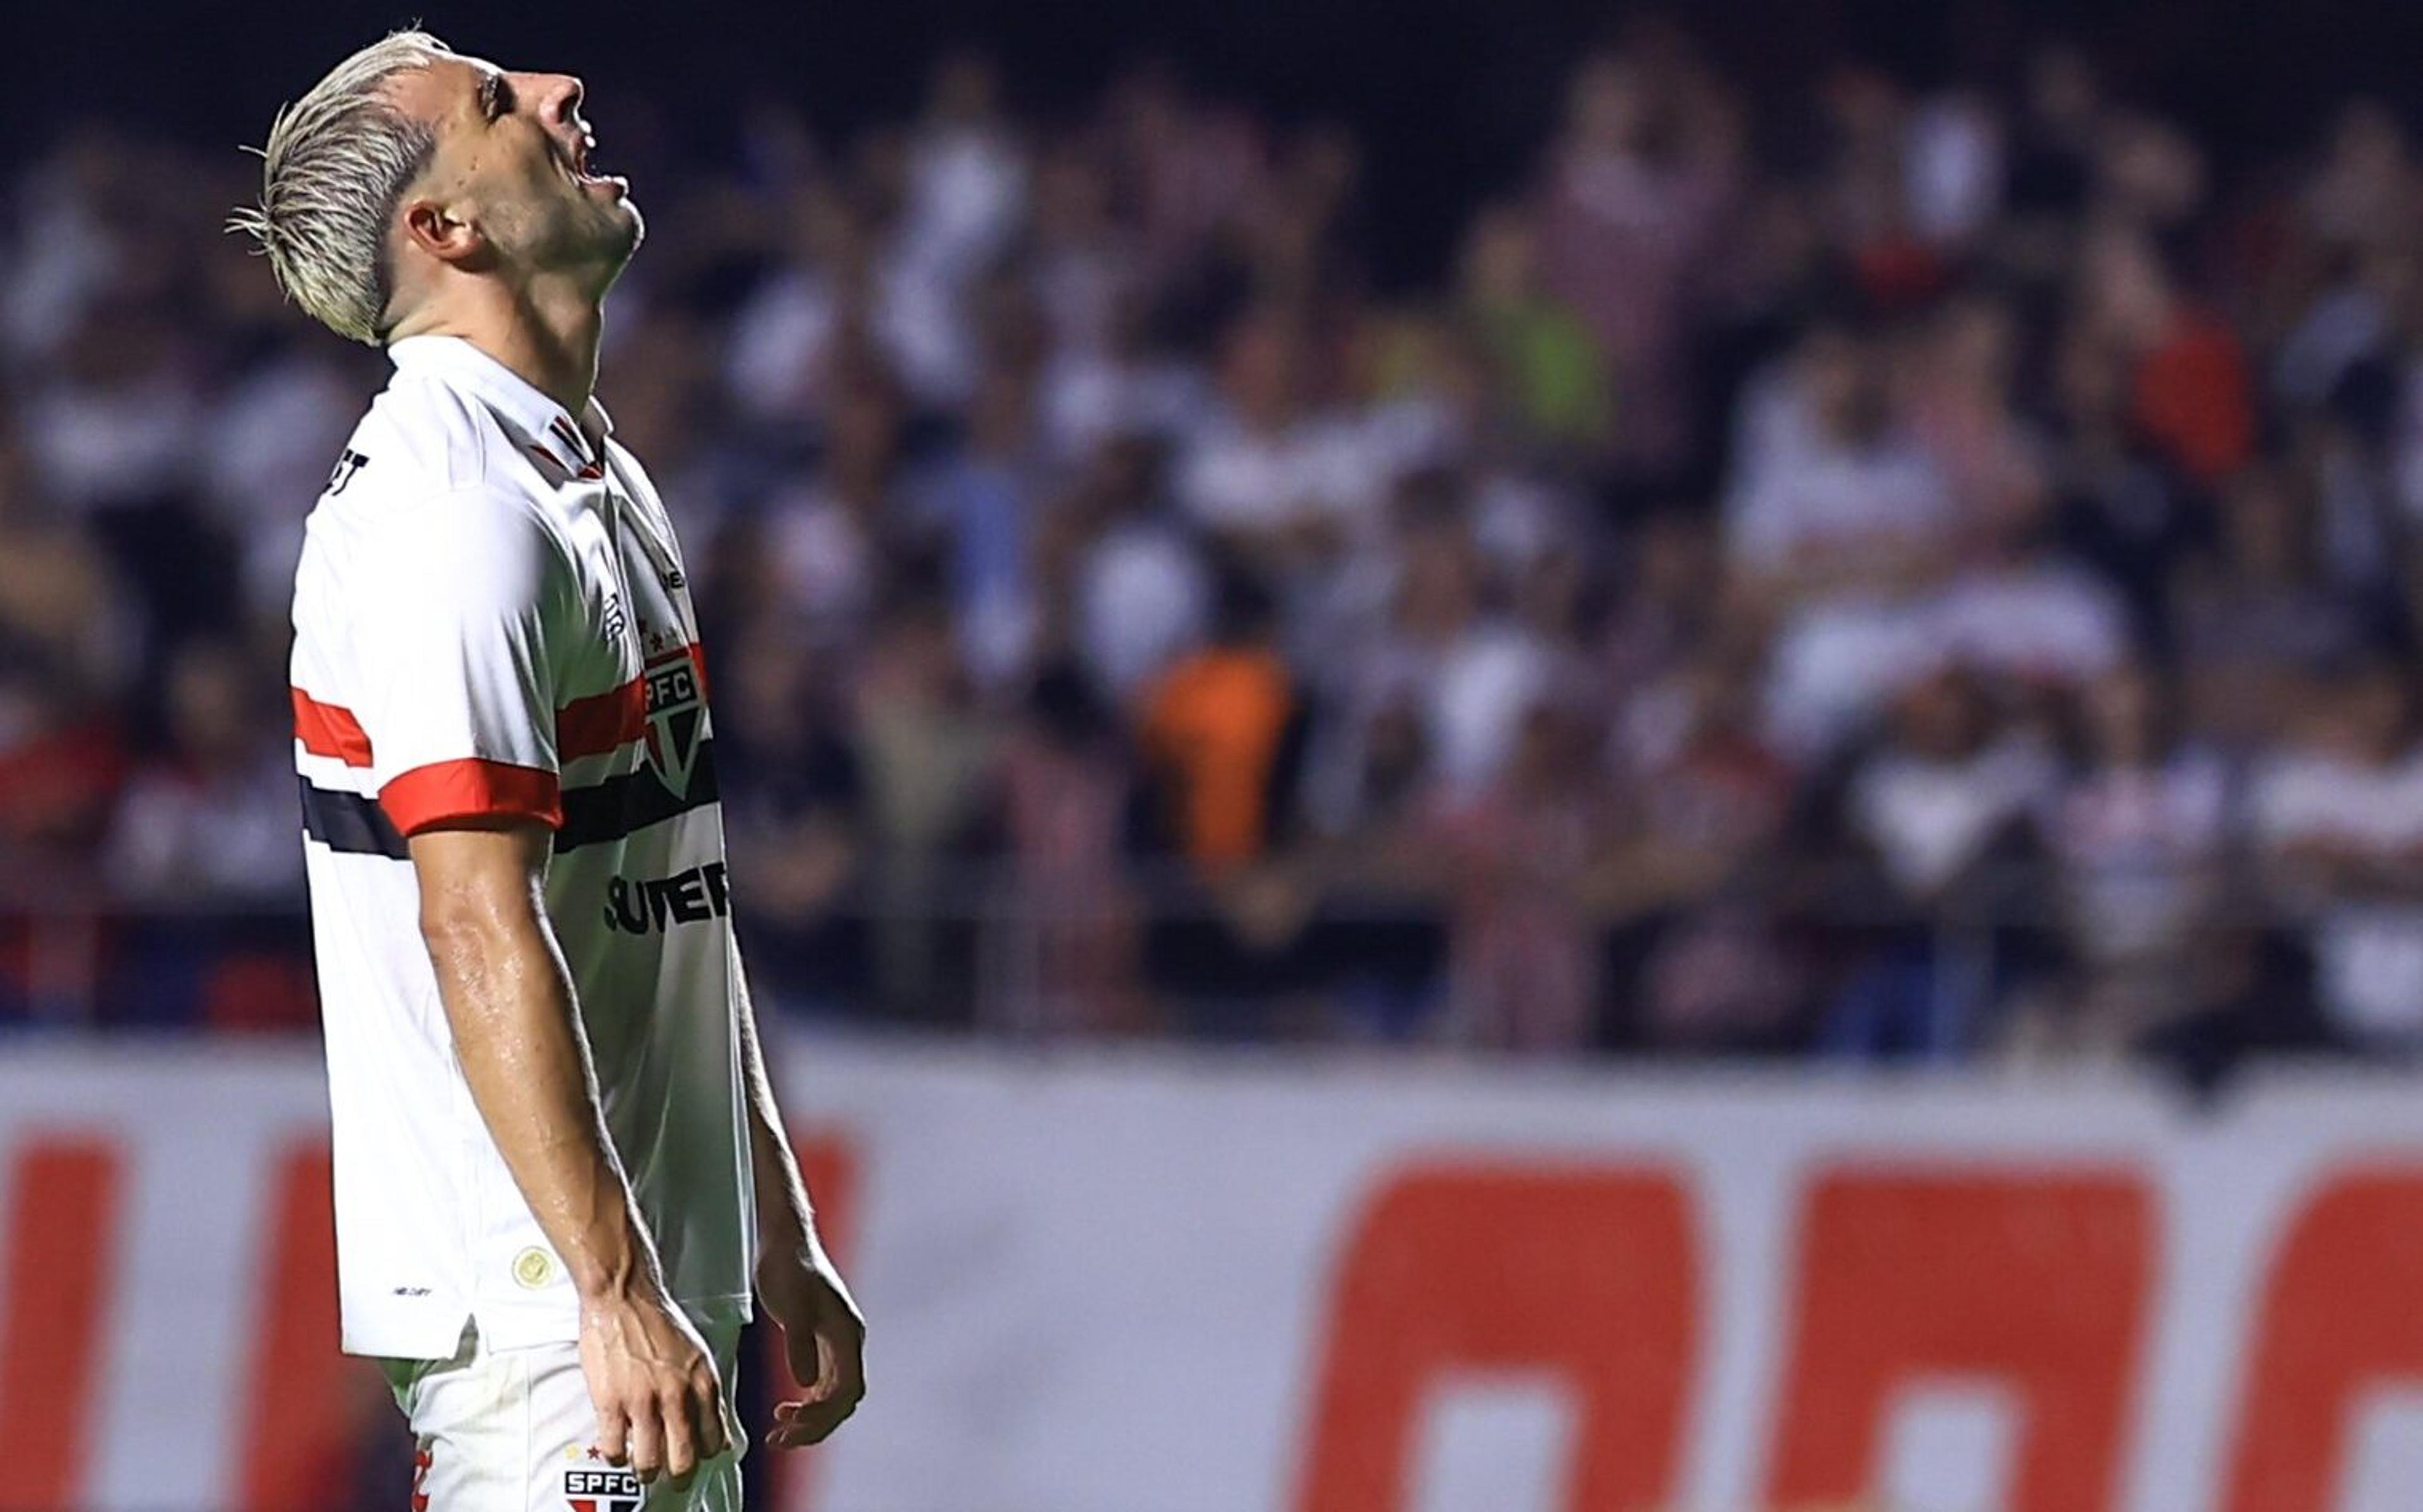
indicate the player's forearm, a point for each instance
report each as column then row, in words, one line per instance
column 789, row 1248
column 786, row 1216
column 786, row 1225
column 510, row 1005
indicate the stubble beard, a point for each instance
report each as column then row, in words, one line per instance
column 608, row 241
column 585, row 243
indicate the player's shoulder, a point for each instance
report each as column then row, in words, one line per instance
column 424, row 438
column 428, row 462
column 414, row 528
column 421, row 437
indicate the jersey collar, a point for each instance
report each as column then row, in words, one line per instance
column 547, row 424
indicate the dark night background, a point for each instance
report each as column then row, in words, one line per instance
column 1450, row 98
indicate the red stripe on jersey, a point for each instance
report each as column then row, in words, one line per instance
column 470, row 789
column 326, row 730
column 604, row 721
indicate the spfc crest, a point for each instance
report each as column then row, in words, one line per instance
column 602, row 1488
column 676, row 717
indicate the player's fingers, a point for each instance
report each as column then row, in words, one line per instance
column 805, row 1422
column 733, row 1433
column 786, row 1414
column 850, row 1368
column 801, row 1352
column 614, row 1435
column 647, row 1440
column 681, row 1434
column 811, row 1423
column 707, row 1406
column 839, row 1374
column 826, row 1367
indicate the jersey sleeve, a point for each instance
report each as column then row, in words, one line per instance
column 452, row 630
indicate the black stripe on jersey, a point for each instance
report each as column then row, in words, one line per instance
column 352, row 823
column 633, row 801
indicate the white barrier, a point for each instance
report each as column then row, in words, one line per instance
column 1158, row 1283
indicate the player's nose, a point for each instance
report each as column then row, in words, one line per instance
column 559, row 95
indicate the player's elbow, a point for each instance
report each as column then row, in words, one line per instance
column 452, row 926
column 489, row 956
column 468, row 917
column 481, row 892
column 474, row 932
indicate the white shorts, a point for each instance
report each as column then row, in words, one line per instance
column 513, row 1430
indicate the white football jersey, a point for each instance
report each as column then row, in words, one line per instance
column 491, row 618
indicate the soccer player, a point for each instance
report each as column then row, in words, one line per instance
column 560, row 1176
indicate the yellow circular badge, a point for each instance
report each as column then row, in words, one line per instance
column 533, row 1268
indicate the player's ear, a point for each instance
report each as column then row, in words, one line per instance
column 437, row 228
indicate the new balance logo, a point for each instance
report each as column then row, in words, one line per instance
column 650, row 905
column 342, row 473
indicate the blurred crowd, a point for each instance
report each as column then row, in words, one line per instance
column 1886, row 573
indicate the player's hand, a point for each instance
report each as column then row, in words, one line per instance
column 659, row 1405
column 824, row 1342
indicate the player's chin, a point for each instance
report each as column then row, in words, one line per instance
column 621, row 228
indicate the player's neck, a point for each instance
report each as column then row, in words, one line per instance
column 545, row 331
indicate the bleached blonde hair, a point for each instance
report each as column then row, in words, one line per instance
column 335, row 166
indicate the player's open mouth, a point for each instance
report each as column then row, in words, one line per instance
column 576, row 159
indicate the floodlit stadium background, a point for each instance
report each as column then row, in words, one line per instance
column 1487, row 757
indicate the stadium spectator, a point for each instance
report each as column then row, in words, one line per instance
column 834, row 536
column 1222, row 734
column 1140, row 588
column 1830, row 496
column 2338, row 816
column 922, row 748
column 1949, row 806
column 2188, row 383
column 2141, row 832
column 1690, row 892
column 2253, row 628
column 1521, row 850
column 797, row 826
column 984, row 502
column 1069, row 942
column 1636, row 189
column 1544, row 356
column 212, row 815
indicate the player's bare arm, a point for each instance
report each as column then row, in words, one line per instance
column 824, row 1335
column 510, row 1005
